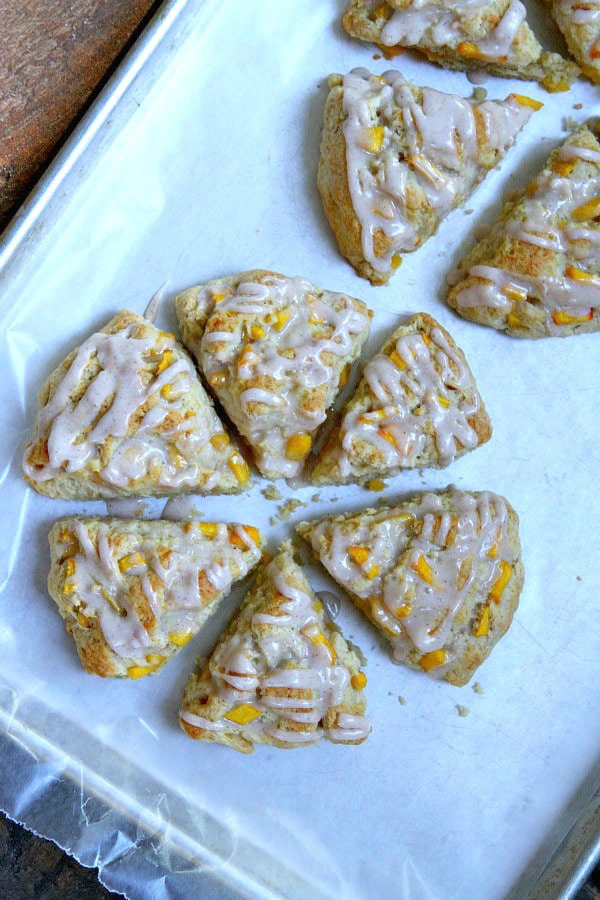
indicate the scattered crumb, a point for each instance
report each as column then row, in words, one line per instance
column 578, row 106
column 390, row 693
column 383, row 501
column 579, row 578
column 402, row 701
column 315, row 498
column 272, row 492
column 570, row 124
column 375, row 485
column 478, row 688
column 273, row 520
column 333, row 499
column 377, row 56
column 468, row 212
column 463, row 711
column 479, row 94
column 289, row 508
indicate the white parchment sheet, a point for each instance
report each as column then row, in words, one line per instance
column 214, row 174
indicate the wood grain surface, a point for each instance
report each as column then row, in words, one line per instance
column 53, row 56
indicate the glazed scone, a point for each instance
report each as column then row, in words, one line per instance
column 416, row 405
column 276, row 351
column 579, row 21
column 462, row 34
column 125, row 415
column 280, row 675
column 396, row 158
column 438, row 575
column 134, row 592
column 537, row 272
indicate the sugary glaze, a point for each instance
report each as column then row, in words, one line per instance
column 149, row 585
column 417, row 149
column 412, row 568
column 559, row 213
column 121, row 413
column 419, row 386
column 447, row 24
column 281, row 674
column 274, row 351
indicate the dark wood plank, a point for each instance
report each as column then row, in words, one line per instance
column 34, row 869
column 53, row 56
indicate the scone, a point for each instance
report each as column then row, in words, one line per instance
column 134, row 592
column 416, row 405
column 537, row 272
column 276, row 351
column 125, row 415
column 579, row 21
column 280, row 675
column 439, row 575
column 396, row 158
column 462, row 34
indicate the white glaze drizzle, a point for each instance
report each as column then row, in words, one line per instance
column 438, row 24
column 173, row 458
column 473, row 526
column 442, row 160
column 99, row 585
column 433, row 376
column 547, row 222
column 284, row 350
column 584, row 16
column 259, row 667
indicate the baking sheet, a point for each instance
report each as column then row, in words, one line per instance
column 213, row 174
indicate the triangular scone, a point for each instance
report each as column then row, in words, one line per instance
column 439, row 575
column 276, row 351
column 461, row 34
column 125, row 415
column 396, row 158
column 416, row 405
column 134, row 592
column 537, row 271
column 281, row 674
column 579, row 21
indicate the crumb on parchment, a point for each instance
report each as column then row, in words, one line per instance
column 402, row 700
column 478, row 688
column 272, row 492
column 463, row 711
column 288, row 508
column 315, row 498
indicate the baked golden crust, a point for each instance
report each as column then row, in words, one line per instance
column 134, row 592
column 537, row 271
column 526, row 59
column 280, row 674
column 275, row 351
column 439, row 575
column 125, row 414
column 582, row 37
column 386, row 184
column 414, row 403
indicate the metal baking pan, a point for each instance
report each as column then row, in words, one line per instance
column 198, row 159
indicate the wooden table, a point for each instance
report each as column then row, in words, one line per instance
column 54, row 54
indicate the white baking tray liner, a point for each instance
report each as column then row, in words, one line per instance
column 212, row 174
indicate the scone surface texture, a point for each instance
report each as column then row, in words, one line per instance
column 133, row 591
column 438, row 575
column 281, row 674
column 416, row 405
column 491, row 35
column 537, row 272
column 396, row 159
column 275, row 350
column 125, row 415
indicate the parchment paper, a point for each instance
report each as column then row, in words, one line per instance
column 214, row 174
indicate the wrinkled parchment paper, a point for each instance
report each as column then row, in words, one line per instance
column 215, row 173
